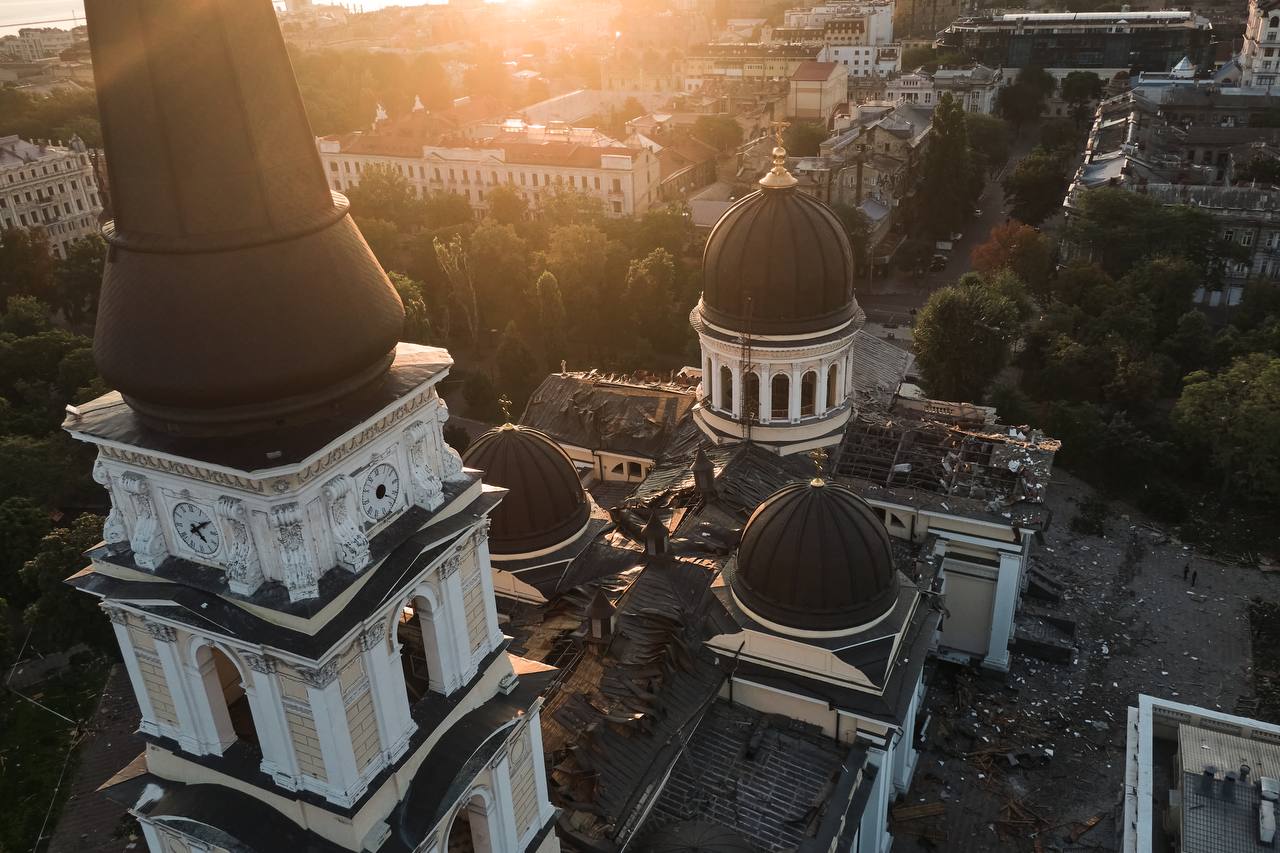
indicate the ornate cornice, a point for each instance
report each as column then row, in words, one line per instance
column 319, row 677
column 162, row 633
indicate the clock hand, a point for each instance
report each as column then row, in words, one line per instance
column 195, row 528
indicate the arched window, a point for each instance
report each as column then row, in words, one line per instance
column 726, row 389
column 833, row 387
column 707, row 375
column 419, row 649
column 751, row 397
column 228, row 700
column 470, row 830
column 1275, row 20
column 809, row 394
column 780, row 398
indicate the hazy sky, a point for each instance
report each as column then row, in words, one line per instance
column 15, row 14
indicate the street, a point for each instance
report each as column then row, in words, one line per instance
column 890, row 299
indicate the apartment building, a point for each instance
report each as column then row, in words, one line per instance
column 50, row 187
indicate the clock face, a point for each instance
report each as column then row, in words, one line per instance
column 195, row 528
column 380, row 491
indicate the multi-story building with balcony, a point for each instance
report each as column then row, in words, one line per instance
column 532, row 160
column 48, row 186
column 1102, row 42
column 1260, row 56
column 754, row 62
column 974, row 87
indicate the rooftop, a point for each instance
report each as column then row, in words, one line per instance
column 808, row 72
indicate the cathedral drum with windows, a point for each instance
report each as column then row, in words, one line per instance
column 296, row 564
column 777, row 320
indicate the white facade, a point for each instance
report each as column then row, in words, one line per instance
column 334, row 721
column 50, row 187
column 974, row 88
column 626, row 180
column 33, row 44
column 1260, row 55
column 864, row 60
column 791, row 393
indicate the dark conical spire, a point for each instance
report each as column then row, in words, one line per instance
column 237, row 288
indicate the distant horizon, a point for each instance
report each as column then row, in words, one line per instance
column 65, row 14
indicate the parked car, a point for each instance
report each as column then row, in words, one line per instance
column 939, row 262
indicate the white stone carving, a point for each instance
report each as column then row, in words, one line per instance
column 260, row 663
column 351, row 546
column 147, row 542
column 162, row 633
column 114, row 532
column 116, row 614
column 244, row 569
column 301, row 578
column 321, row 676
column 428, row 491
column 450, row 462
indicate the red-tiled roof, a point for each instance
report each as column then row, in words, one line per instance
column 562, row 154
column 814, row 71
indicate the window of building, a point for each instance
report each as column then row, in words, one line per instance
column 833, row 387
column 436, row 171
column 751, row 397
column 617, row 185
column 573, row 182
column 535, row 179
column 597, row 182
column 617, row 207
column 726, row 389
column 780, row 397
column 809, row 394
column 1246, row 238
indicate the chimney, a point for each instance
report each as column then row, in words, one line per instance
column 237, row 293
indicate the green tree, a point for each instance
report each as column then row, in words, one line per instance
column 552, row 323
column 989, row 139
column 962, row 339
column 61, row 616
column 719, row 131
column 23, row 523
column 802, row 138
column 1060, row 133
column 949, row 178
column 1036, row 187
column 417, row 319
column 1120, row 228
column 384, row 193
column 452, row 257
column 26, row 263
column 1023, row 102
column 506, row 205
column 443, row 210
column 383, row 238
column 1079, row 88
column 498, row 260
column 857, row 226
column 518, row 371
column 78, row 281
column 1236, row 414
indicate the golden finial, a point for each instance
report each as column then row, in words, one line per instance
column 504, row 405
column 819, row 457
column 778, row 177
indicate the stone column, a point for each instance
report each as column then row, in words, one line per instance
column 191, row 736
column 390, row 698
column 267, row 701
column 455, row 646
column 503, row 822
column 485, row 565
column 794, row 389
column 120, row 624
column 213, row 710
column 324, row 694
column 738, row 380
column 545, row 808
column 1002, row 609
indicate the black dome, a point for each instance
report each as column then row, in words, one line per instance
column 546, row 504
column 788, row 253
column 816, row 557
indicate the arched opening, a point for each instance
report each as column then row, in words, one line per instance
column 726, row 389
column 469, row 832
column 228, row 699
column 708, row 373
column 809, row 394
column 419, row 649
column 833, row 387
column 780, row 398
column 751, row 397
column 1275, row 20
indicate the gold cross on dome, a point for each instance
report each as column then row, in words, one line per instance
column 819, row 457
column 778, row 127
column 504, row 403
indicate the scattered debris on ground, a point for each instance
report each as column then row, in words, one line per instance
column 1034, row 761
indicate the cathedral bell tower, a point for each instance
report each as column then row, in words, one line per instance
column 295, row 563
column 777, row 320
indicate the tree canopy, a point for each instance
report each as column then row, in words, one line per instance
column 963, row 335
